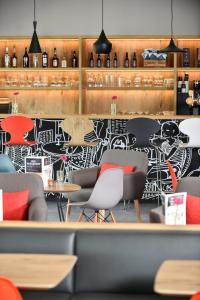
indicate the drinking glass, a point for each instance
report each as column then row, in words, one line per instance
column 60, row 176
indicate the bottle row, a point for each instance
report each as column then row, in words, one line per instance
column 183, row 84
column 107, row 62
column 186, row 59
column 38, row 81
column 54, row 61
column 138, row 81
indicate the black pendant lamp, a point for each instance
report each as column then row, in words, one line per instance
column 102, row 45
column 35, row 45
column 171, row 48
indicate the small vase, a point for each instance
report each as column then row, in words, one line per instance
column 60, row 176
column 113, row 108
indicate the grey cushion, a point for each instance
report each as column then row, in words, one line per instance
column 40, row 241
column 127, row 261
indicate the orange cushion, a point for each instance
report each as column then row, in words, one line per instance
column 193, row 210
column 8, row 290
column 195, row 296
column 15, row 205
column 126, row 169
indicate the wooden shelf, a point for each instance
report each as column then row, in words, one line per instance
column 128, row 69
column 38, row 88
column 130, row 88
column 188, row 69
column 39, row 69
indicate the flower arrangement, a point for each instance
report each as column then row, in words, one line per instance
column 113, row 105
column 63, row 158
column 114, row 98
column 15, row 105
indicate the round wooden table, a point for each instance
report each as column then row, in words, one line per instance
column 61, row 188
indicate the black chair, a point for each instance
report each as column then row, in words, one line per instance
column 143, row 129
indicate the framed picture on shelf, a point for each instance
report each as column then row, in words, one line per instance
column 174, row 208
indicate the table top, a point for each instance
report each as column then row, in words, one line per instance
column 62, row 188
column 178, row 277
column 36, row 271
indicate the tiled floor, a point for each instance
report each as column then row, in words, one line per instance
column 121, row 215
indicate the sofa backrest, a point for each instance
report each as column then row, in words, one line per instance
column 127, row 260
column 13, row 182
column 110, row 259
column 191, row 185
column 126, row 157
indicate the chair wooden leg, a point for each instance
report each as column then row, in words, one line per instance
column 137, row 210
column 112, row 217
column 96, row 217
column 80, row 217
column 68, row 211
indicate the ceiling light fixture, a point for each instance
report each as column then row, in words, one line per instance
column 171, row 48
column 102, row 45
column 35, row 45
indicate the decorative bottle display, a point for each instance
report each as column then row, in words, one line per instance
column 113, row 107
column 26, row 59
column 126, row 61
column 44, row 59
column 115, row 61
column 99, row 61
column 14, row 58
column 91, row 60
column 74, row 60
column 6, row 58
column 108, row 61
column 134, row 61
column 55, row 60
column 186, row 57
column 64, row 62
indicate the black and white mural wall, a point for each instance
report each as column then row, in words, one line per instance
column 111, row 135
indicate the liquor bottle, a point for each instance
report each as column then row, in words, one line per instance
column 35, row 60
column 186, row 81
column 198, row 58
column 186, row 57
column 91, row 60
column 44, row 59
column 179, row 84
column 126, row 61
column 134, row 61
column 55, row 60
column 108, row 61
column 74, row 60
column 26, row 59
column 14, row 58
column 64, row 62
column 6, row 58
column 99, row 62
column 115, row 61
column 183, row 87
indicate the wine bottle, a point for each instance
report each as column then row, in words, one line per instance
column 115, row 61
column 6, row 58
column 108, row 61
column 74, row 60
column 134, row 61
column 91, row 60
column 99, row 62
column 126, row 61
column 14, row 58
column 55, row 60
column 44, row 59
column 26, row 59
column 35, row 60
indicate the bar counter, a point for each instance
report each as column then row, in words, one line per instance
column 110, row 131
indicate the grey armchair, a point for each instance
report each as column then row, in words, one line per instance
column 134, row 182
column 191, row 185
column 13, row 182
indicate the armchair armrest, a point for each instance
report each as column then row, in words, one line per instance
column 85, row 177
column 38, row 210
column 134, row 184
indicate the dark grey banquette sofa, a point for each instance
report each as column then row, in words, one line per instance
column 114, row 262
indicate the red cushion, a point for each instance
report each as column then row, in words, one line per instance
column 193, row 210
column 126, row 169
column 15, row 205
column 195, row 296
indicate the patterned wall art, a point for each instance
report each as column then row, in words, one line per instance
column 112, row 135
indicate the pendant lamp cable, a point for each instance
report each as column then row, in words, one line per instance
column 102, row 13
column 34, row 10
column 172, row 18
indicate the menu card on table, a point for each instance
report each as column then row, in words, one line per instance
column 174, row 208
